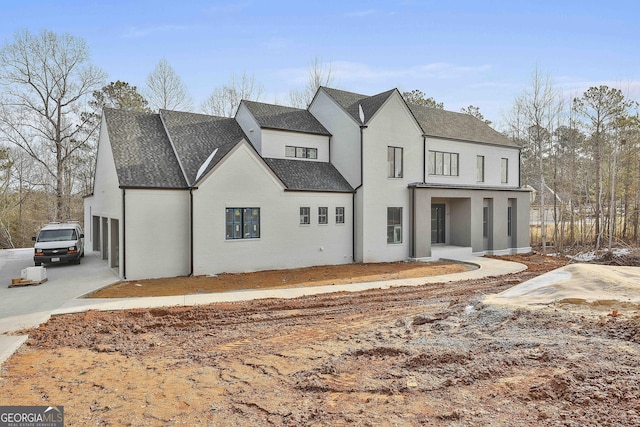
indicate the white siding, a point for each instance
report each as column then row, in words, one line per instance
column 467, row 167
column 157, row 233
column 107, row 195
column 106, row 201
column 393, row 125
column 243, row 181
column 274, row 142
column 345, row 142
column 250, row 127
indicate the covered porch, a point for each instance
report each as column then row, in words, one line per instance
column 455, row 223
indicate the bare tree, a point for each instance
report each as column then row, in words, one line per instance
column 45, row 81
column 166, row 90
column 536, row 112
column 319, row 75
column 602, row 107
column 224, row 100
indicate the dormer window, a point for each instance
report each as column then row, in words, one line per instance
column 300, row 152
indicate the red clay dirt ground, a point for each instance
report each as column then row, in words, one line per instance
column 425, row 355
column 274, row 279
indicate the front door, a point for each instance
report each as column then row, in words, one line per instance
column 437, row 223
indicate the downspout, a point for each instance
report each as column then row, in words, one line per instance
column 191, row 231
column 519, row 165
column 424, row 159
column 124, row 235
column 355, row 192
column 413, row 222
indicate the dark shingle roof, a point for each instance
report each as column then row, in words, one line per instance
column 447, row 124
column 142, row 152
column 285, row 118
column 350, row 101
column 308, row 175
column 196, row 136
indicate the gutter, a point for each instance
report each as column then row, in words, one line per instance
column 355, row 192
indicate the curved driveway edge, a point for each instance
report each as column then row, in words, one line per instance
column 487, row 267
column 10, row 343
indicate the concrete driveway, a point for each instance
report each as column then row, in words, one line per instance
column 28, row 306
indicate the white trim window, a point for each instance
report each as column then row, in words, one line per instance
column 394, row 162
column 242, row 223
column 394, row 225
column 323, row 215
column 442, row 163
column 305, row 215
column 339, row 215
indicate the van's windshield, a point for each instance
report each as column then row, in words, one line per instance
column 57, row 235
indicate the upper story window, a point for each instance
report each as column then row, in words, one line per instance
column 243, row 223
column 441, row 163
column 300, row 152
column 323, row 215
column 305, row 215
column 394, row 162
column 340, row 215
column 504, row 170
column 480, row 168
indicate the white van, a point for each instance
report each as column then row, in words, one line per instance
column 59, row 242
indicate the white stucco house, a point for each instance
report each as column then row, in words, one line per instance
column 353, row 178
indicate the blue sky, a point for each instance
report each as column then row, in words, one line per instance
column 459, row 52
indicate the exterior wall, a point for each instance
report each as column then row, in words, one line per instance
column 106, row 202
column 157, row 233
column 467, row 168
column 345, row 142
column 243, row 181
column 274, row 142
column 464, row 220
column 250, row 127
column 393, row 125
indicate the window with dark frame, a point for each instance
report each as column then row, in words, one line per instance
column 323, row 215
column 480, row 168
column 504, row 169
column 508, row 220
column 485, row 221
column 394, row 225
column 340, row 215
column 305, row 215
column 301, row 152
column 394, row 162
column 442, row 163
column 242, row 223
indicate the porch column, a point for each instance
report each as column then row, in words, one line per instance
column 422, row 223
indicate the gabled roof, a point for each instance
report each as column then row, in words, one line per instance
column 142, row 151
column 270, row 116
column 308, row 175
column 196, row 136
column 447, row 124
column 350, row 102
column 433, row 122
